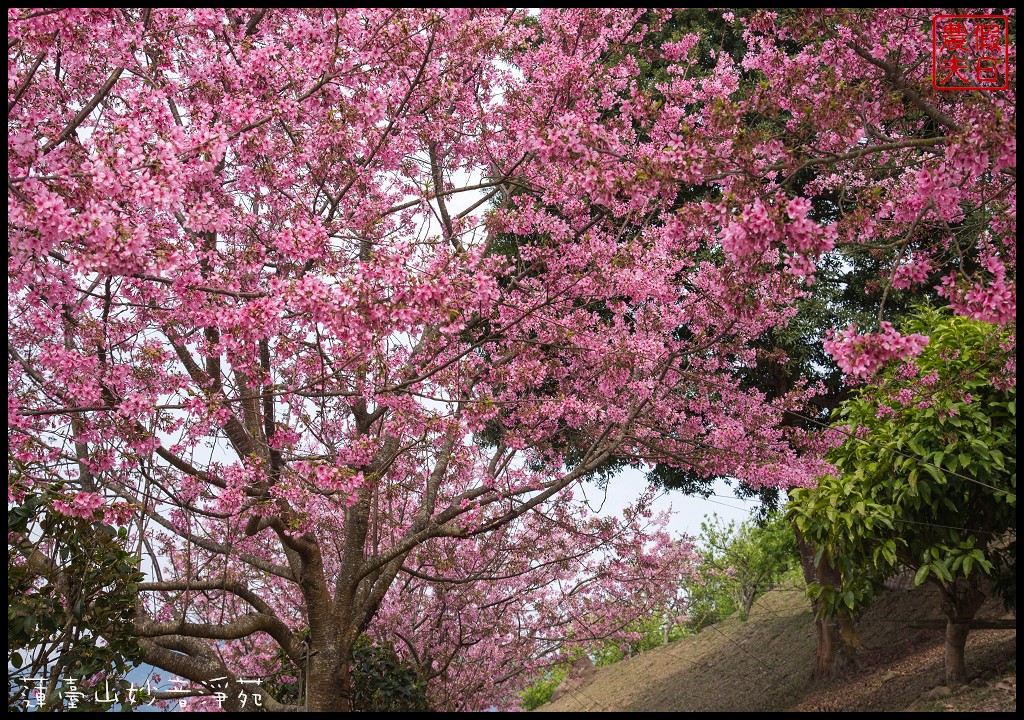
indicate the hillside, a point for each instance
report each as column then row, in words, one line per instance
column 763, row 665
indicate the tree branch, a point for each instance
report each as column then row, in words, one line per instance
column 84, row 112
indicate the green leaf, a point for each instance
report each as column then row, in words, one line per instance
column 939, row 476
column 921, row 576
column 889, row 552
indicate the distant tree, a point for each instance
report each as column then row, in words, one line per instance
column 738, row 564
column 541, row 690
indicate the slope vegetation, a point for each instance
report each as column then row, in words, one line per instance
column 763, row 665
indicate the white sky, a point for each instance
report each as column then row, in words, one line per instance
column 688, row 510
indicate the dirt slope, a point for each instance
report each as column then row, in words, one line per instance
column 764, row 663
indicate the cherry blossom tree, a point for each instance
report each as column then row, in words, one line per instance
column 478, row 619
column 333, row 308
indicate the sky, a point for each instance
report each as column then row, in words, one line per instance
column 687, row 510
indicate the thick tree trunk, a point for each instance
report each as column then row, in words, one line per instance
column 329, row 683
column 961, row 601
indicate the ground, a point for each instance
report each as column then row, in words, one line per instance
column 764, row 664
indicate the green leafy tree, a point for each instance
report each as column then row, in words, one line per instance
column 70, row 608
column 927, row 479
column 738, row 564
column 540, row 692
column 383, row 682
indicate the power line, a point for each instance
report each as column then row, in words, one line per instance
column 717, row 502
column 898, row 452
column 948, row 527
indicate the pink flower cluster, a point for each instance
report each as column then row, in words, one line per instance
column 83, row 505
column 862, row 355
column 760, row 227
column 135, row 405
column 910, row 274
column 995, row 302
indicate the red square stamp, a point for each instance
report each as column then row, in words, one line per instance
column 970, row 52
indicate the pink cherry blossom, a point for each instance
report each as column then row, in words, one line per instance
column 341, row 307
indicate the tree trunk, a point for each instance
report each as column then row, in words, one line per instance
column 329, row 683
column 748, row 603
column 956, row 641
column 961, row 601
column 827, row 660
column 837, row 638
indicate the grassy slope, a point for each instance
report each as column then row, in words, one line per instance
column 764, row 663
